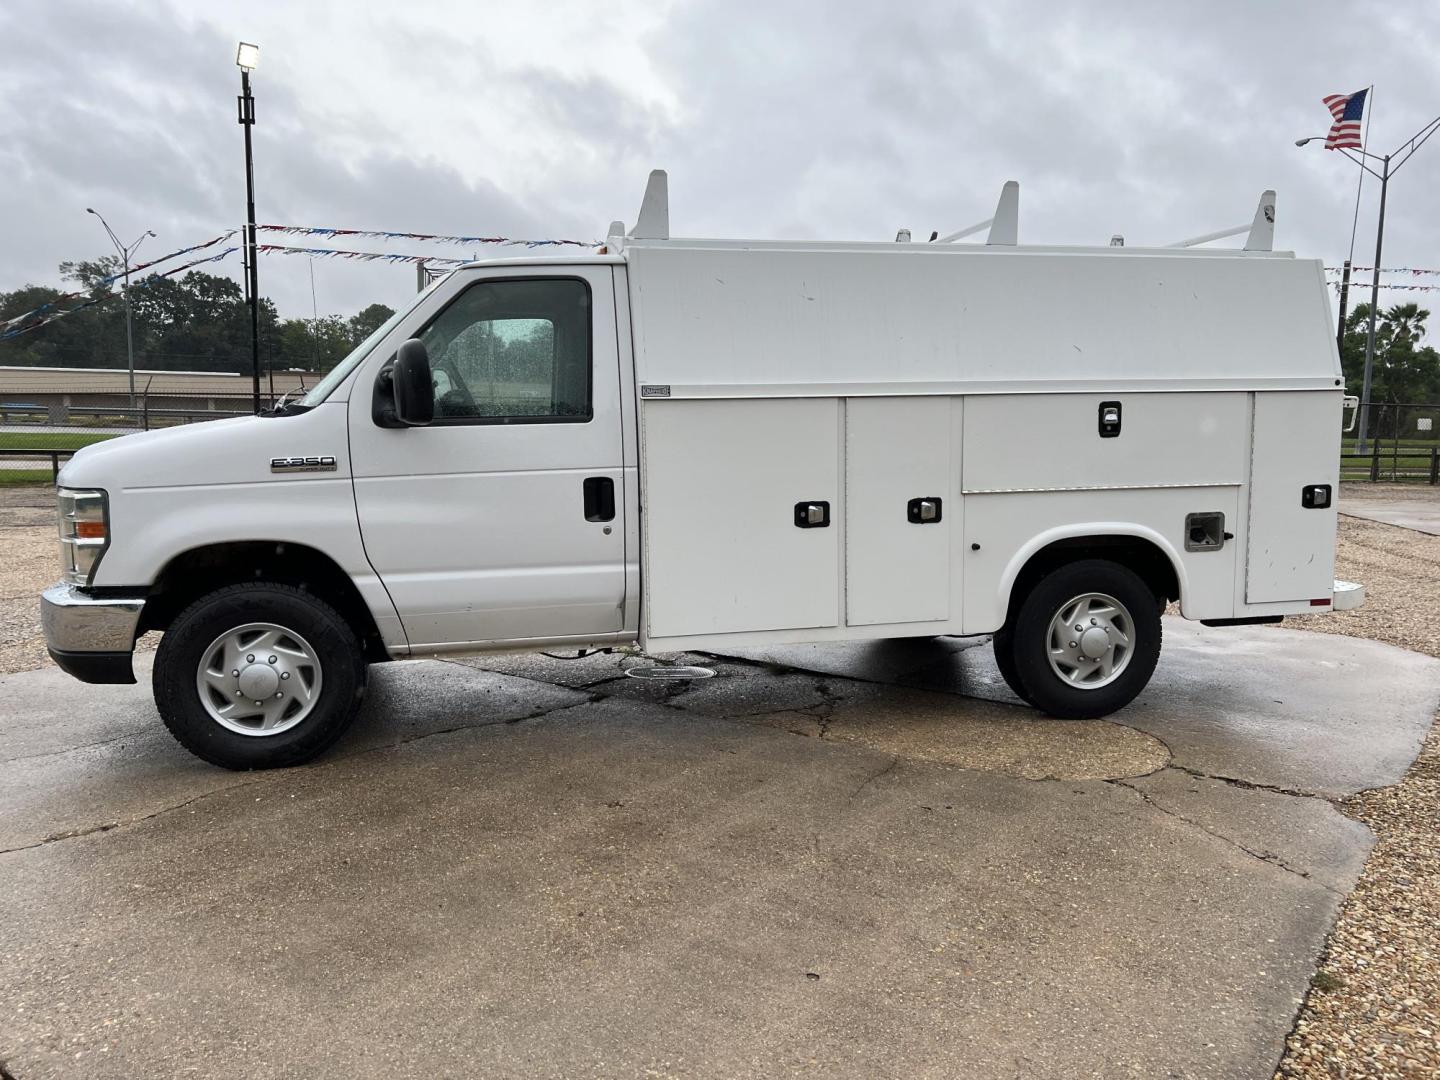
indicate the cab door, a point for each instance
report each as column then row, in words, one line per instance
column 502, row 520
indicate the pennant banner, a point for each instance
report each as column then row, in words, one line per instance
column 10, row 330
column 107, row 281
column 1384, row 270
column 1409, row 288
column 459, row 241
column 362, row 256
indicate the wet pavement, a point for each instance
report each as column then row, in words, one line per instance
column 1420, row 516
column 1410, row 506
column 863, row 860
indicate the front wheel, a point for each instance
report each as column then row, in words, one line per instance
column 258, row 676
column 1086, row 639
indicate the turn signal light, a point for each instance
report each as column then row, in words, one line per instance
column 90, row 530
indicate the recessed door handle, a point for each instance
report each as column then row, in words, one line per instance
column 812, row 515
column 599, row 498
column 923, row 511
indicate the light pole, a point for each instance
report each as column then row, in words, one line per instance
column 247, row 56
column 1403, row 152
column 125, row 254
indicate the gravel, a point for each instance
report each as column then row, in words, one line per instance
column 1373, row 1010
column 29, row 561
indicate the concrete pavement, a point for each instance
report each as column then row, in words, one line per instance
column 843, row 860
column 1409, row 506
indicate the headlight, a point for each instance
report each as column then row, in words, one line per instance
column 84, row 533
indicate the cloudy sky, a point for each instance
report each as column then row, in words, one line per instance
column 813, row 118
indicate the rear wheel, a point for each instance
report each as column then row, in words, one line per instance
column 1086, row 639
column 258, row 676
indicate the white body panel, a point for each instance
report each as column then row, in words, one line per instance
column 1292, row 548
column 1049, row 442
column 184, row 488
column 724, row 319
column 896, row 450
column 477, row 529
column 722, row 550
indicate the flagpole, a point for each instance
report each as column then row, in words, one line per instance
column 1362, row 435
column 1354, row 231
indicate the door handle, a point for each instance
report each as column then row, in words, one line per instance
column 599, row 498
column 812, row 515
column 923, row 511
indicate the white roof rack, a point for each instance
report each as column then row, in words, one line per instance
column 1260, row 233
column 653, row 222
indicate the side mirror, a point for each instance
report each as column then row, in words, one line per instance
column 412, row 385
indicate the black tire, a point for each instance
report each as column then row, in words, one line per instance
column 1030, row 645
column 1004, row 645
column 190, row 636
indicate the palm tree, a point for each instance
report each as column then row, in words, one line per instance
column 1404, row 324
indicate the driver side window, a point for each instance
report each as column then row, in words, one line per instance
column 513, row 351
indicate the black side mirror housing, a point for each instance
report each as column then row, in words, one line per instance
column 413, row 385
column 405, row 390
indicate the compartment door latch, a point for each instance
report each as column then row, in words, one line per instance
column 1109, row 419
column 812, row 515
column 924, row 511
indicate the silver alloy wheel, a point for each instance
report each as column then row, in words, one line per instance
column 258, row 679
column 1089, row 643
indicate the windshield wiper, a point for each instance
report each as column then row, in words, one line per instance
column 285, row 407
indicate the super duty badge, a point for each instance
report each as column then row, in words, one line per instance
column 321, row 463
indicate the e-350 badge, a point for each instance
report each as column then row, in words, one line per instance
column 319, row 463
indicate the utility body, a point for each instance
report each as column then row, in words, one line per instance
column 701, row 444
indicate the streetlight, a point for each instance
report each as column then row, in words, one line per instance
column 125, row 253
column 247, row 57
column 1409, row 146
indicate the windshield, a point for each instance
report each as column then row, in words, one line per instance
column 326, row 386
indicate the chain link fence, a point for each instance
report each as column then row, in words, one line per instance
column 46, row 414
column 1402, row 444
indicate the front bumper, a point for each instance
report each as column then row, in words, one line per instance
column 91, row 637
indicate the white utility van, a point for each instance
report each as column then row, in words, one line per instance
column 703, row 444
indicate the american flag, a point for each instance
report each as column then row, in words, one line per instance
column 1346, row 109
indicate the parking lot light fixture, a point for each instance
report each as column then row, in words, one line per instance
column 1389, row 165
column 126, row 253
column 247, row 57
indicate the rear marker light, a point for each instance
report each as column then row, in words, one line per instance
column 1320, row 603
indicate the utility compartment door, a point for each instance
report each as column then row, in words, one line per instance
column 722, row 480
column 898, row 456
column 1291, row 551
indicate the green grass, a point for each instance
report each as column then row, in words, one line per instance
column 10, row 477
column 48, row 440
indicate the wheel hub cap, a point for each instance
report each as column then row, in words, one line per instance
column 1089, row 641
column 259, row 679
column 1094, row 643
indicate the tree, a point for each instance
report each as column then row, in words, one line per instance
column 1404, row 371
column 313, row 344
column 367, row 320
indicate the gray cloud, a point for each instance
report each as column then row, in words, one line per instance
column 798, row 119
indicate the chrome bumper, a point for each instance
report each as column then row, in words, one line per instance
column 90, row 637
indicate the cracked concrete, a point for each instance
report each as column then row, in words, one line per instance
column 548, row 868
column 404, row 701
